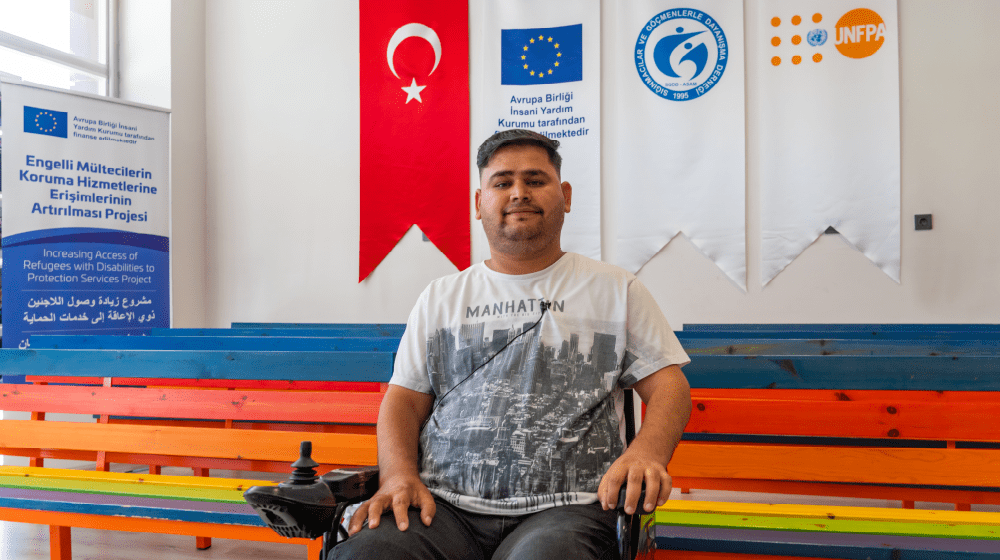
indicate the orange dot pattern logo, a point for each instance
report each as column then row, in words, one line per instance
column 795, row 39
column 860, row 33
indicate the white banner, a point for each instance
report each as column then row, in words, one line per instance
column 681, row 149
column 827, row 94
column 542, row 71
column 86, row 215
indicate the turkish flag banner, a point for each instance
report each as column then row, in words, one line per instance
column 414, row 127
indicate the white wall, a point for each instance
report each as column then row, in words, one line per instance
column 162, row 63
column 281, row 115
column 188, row 168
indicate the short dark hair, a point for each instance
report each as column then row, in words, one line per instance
column 517, row 137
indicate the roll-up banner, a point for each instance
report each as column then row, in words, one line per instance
column 542, row 71
column 86, row 215
column 681, row 134
column 827, row 96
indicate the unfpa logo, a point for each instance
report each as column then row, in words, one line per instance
column 857, row 34
column 860, row 33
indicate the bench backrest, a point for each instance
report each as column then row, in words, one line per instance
column 185, row 426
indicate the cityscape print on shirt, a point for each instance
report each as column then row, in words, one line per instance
column 536, row 425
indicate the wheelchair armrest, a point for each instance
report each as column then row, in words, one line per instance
column 639, row 504
column 310, row 510
column 353, row 484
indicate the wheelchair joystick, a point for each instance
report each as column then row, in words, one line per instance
column 305, row 467
column 301, row 507
column 306, row 505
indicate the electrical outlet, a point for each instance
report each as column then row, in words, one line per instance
column 923, row 221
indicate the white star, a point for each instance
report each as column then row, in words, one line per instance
column 413, row 91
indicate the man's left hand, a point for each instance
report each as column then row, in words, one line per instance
column 633, row 468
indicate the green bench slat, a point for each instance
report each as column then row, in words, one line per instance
column 123, row 489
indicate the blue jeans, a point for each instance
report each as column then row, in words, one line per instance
column 568, row 532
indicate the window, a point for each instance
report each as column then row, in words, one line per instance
column 60, row 43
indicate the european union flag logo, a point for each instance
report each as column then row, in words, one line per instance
column 45, row 121
column 544, row 55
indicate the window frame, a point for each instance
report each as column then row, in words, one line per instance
column 109, row 72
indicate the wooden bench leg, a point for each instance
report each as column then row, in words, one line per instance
column 963, row 507
column 60, row 547
column 314, row 549
column 154, row 469
column 909, row 504
column 685, row 490
column 201, row 543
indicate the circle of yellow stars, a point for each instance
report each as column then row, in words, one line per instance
column 55, row 122
column 541, row 40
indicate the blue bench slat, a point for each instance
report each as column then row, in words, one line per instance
column 385, row 326
column 853, row 347
column 847, row 335
column 891, row 373
column 296, row 333
column 823, row 545
column 842, row 327
column 201, row 364
column 174, row 514
column 694, row 346
column 941, row 373
column 108, row 342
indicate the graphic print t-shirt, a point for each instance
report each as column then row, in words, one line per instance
column 540, row 423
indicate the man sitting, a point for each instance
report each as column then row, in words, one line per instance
column 500, row 435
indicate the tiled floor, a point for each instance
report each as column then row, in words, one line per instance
column 19, row 541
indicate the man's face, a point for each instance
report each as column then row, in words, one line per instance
column 521, row 201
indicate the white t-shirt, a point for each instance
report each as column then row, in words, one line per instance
column 540, row 423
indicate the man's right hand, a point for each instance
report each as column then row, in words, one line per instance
column 398, row 493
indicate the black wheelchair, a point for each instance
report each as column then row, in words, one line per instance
column 310, row 506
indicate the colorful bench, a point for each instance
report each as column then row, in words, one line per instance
column 766, row 376
column 891, row 412
column 264, row 404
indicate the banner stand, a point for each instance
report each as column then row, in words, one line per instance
column 87, row 219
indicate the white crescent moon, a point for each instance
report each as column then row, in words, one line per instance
column 414, row 30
